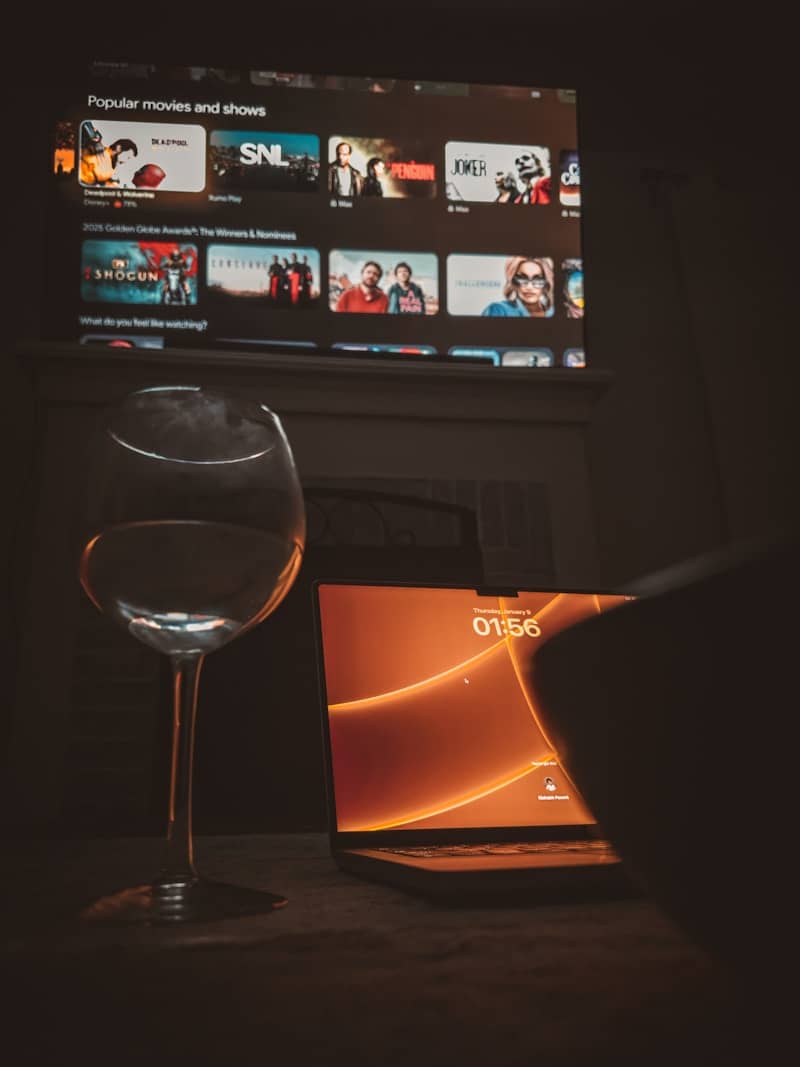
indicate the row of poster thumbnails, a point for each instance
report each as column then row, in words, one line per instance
column 169, row 157
column 358, row 281
column 517, row 356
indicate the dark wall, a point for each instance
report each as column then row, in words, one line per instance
column 686, row 207
column 688, row 203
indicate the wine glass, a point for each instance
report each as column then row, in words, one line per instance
column 196, row 531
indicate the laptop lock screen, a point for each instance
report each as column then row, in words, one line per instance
column 431, row 722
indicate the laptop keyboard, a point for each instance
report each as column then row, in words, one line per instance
column 497, row 848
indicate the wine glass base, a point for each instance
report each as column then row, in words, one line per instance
column 172, row 903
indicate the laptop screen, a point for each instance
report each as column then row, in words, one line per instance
column 430, row 719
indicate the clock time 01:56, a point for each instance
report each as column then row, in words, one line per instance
column 495, row 626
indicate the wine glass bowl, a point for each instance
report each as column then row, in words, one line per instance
column 196, row 532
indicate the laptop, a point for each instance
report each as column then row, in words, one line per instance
column 440, row 778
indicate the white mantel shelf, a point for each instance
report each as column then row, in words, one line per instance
column 323, row 385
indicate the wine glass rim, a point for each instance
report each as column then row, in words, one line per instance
column 179, row 459
column 168, row 389
column 254, row 412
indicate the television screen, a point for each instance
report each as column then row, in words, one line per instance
column 259, row 210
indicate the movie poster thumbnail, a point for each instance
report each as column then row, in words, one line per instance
column 139, row 272
column 497, row 173
column 476, row 352
column 527, row 357
column 168, row 157
column 391, row 283
column 513, row 286
column 274, row 275
column 380, row 167
column 266, row 344
column 572, row 288
column 276, row 162
column 122, row 340
column 569, row 180
column 365, row 348
column 506, row 357
column 574, row 357
column 63, row 149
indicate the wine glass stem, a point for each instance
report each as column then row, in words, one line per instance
column 179, row 862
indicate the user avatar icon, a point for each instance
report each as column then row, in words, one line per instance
column 550, row 785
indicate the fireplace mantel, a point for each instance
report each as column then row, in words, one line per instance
column 325, row 385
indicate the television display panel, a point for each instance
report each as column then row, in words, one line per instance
column 257, row 210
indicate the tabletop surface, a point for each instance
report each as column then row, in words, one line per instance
column 348, row 972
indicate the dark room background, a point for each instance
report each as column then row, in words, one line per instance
column 691, row 442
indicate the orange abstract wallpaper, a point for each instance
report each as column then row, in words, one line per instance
column 431, row 720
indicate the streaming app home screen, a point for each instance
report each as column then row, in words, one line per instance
column 256, row 210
